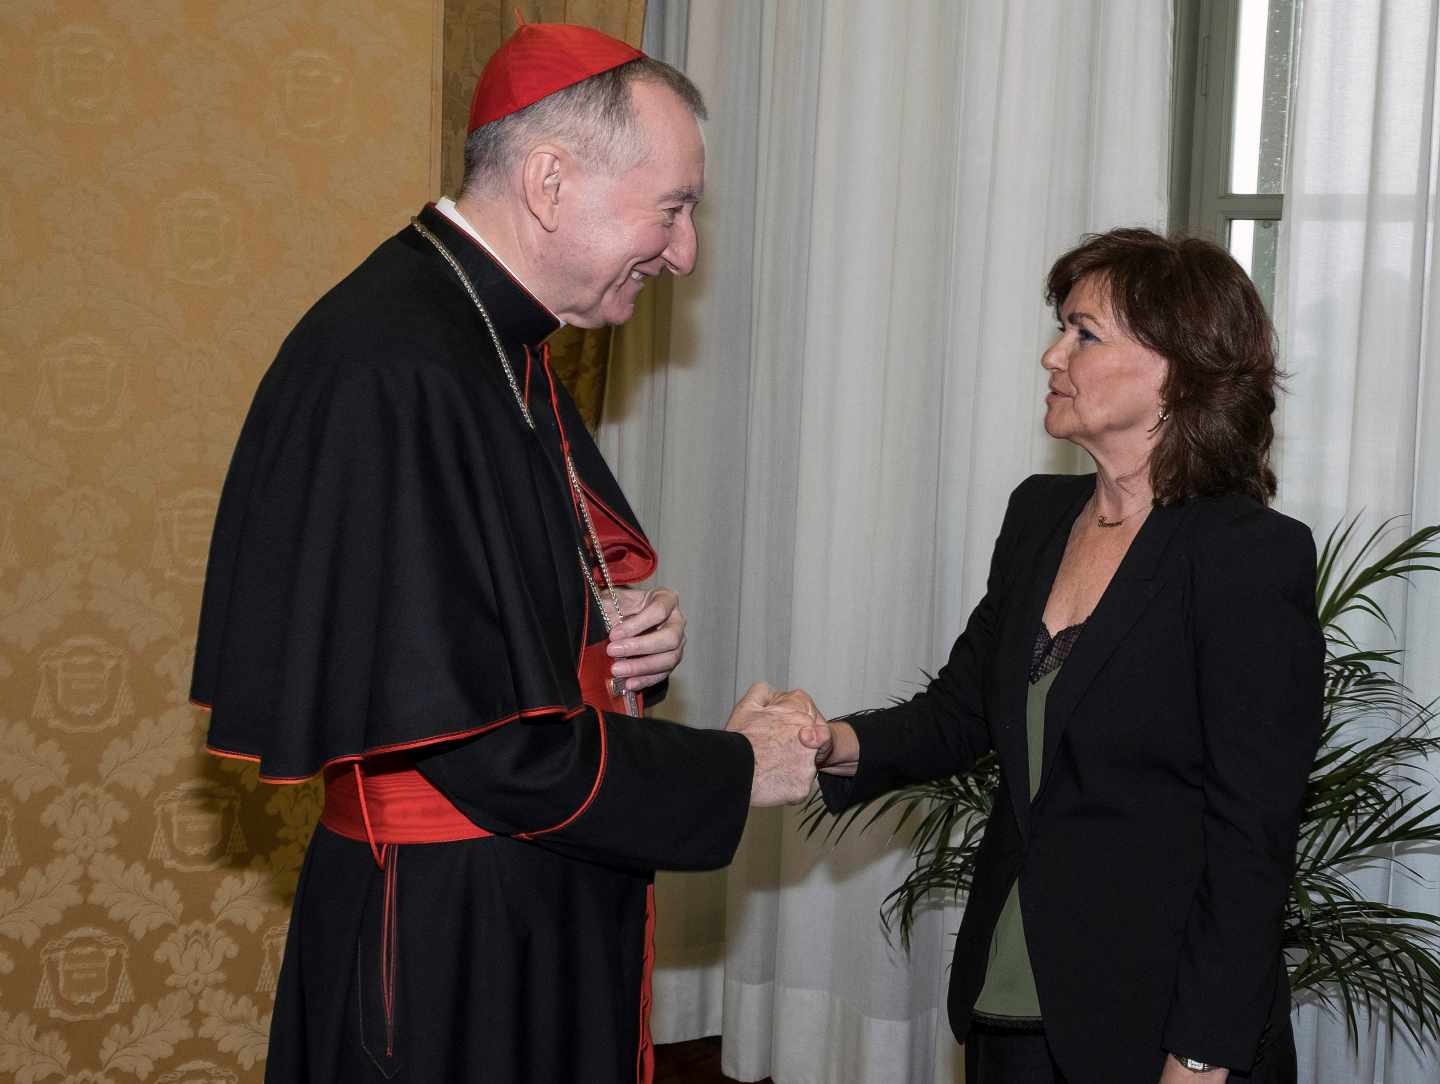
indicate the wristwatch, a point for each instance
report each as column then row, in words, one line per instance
column 1193, row 1064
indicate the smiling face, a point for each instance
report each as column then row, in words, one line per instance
column 1104, row 385
column 617, row 231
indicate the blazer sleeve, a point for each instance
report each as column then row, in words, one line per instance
column 1259, row 654
column 942, row 730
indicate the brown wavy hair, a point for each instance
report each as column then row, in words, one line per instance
column 1190, row 302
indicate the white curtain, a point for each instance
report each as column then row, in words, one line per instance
column 823, row 442
column 1357, row 307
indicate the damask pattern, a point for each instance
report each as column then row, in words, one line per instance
column 180, row 181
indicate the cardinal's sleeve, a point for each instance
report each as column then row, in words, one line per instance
column 635, row 793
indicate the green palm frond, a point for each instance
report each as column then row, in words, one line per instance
column 1352, row 591
column 1371, row 802
column 1355, row 955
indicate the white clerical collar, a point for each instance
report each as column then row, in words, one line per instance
column 446, row 206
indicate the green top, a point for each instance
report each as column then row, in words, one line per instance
column 1009, row 988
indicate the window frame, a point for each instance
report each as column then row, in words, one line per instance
column 1202, row 106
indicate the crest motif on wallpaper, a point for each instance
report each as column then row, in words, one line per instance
column 197, row 826
column 84, row 686
column 81, row 76
column 85, row 975
column 199, row 239
column 84, row 385
column 182, row 534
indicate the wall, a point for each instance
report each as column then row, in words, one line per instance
column 178, row 180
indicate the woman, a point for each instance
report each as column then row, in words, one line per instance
column 1146, row 663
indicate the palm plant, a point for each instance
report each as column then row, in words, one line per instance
column 1370, row 802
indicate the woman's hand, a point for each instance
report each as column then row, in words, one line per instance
column 837, row 749
column 649, row 639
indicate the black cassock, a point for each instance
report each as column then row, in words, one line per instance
column 394, row 578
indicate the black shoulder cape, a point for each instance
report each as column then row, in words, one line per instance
column 394, row 559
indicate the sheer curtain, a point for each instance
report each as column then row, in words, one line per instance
column 823, row 432
column 1357, row 307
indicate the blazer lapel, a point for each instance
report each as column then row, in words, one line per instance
column 1137, row 581
column 1052, row 532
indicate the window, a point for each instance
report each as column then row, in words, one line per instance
column 1231, row 122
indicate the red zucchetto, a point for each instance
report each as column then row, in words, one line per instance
column 539, row 59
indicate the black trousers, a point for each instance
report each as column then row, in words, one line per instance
column 999, row 1051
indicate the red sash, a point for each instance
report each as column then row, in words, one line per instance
column 383, row 799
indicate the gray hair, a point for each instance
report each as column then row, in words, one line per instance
column 594, row 118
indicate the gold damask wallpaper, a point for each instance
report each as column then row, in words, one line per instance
column 179, row 179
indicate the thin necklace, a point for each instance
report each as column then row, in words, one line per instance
column 632, row 705
column 1102, row 521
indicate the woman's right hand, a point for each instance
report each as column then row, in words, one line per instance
column 837, row 749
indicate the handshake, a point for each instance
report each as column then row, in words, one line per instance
column 791, row 741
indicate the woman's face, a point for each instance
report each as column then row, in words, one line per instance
column 1104, row 386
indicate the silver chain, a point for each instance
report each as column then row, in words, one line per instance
column 631, row 704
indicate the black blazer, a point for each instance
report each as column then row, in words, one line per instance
column 1156, row 858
